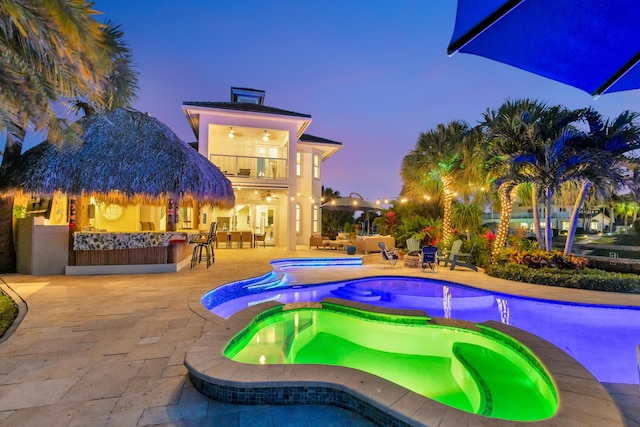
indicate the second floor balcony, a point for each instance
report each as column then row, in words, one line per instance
column 251, row 167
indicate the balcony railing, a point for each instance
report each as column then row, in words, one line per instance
column 251, row 167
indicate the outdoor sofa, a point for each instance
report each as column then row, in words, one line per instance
column 368, row 244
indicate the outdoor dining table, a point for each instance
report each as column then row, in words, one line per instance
column 229, row 237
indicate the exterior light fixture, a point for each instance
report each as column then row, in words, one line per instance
column 231, row 132
column 268, row 198
column 386, row 201
column 265, row 137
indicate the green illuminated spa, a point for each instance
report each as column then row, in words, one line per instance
column 477, row 370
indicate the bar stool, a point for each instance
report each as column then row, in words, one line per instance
column 204, row 242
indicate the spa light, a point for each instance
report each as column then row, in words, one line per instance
column 265, row 137
column 231, row 132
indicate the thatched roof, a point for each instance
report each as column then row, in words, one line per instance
column 123, row 156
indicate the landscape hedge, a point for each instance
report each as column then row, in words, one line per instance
column 588, row 278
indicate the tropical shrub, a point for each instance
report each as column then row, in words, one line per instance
column 386, row 223
column 8, row 312
column 592, row 279
column 431, row 233
column 538, row 258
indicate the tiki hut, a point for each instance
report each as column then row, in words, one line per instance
column 124, row 157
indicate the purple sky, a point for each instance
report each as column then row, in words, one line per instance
column 372, row 74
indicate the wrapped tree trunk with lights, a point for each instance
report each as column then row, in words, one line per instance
column 443, row 154
column 447, row 203
column 508, row 193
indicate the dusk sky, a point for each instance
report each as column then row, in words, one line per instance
column 372, row 74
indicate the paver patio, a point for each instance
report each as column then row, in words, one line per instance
column 109, row 350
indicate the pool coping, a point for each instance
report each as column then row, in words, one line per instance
column 582, row 398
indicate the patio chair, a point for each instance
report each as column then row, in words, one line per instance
column 223, row 236
column 447, row 257
column 464, row 259
column 259, row 238
column 246, row 237
column 429, row 259
column 413, row 246
column 389, row 256
column 234, row 236
column 204, row 242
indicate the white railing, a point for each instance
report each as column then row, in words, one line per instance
column 251, row 166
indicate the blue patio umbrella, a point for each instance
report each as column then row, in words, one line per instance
column 593, row 45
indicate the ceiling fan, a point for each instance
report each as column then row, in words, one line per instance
column 233, row 133
column 266, row 136
column 269, row 197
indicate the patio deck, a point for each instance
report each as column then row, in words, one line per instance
column 109, row 350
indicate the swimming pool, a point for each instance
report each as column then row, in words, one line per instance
column 602, row 338
column 476, row 370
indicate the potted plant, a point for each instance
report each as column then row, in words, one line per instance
column 351, row 232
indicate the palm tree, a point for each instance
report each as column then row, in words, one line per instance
column 607, row 143
column 512, row 131
column 50, row 51
column 439, row 154
column 467, row 217
column 120, row 85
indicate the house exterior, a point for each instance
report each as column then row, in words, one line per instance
column 590, row 220
column 274, row 166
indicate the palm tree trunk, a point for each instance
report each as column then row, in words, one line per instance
column 447, row 204
column 536, row 214
column 547, row 221
column 7, row 249
column 507, row 194
column 573, row 223
column 12, row 150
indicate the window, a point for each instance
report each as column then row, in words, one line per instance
column 297, row 218
column 112, row 212
column 315, row 218
column 316, row 166
column 298, row 160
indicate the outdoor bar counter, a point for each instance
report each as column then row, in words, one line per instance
column 101, row 248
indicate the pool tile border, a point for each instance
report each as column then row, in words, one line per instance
column 376, row 399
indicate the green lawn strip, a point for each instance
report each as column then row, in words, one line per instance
column 621, row 253
column 8, row 312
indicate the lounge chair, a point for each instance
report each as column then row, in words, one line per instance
column 389, row 256
column 464, row 259
column 447, row 257
column 413, row 246
column 429, row 259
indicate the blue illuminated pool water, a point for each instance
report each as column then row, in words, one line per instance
column 603, row 338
